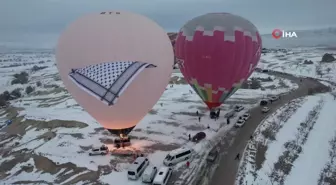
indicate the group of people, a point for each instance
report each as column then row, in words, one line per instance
column 213, row 115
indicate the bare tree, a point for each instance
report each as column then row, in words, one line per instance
column 328, row 70
column 318, row 71
column 270, row 175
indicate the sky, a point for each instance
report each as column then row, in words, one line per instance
column 38, row 23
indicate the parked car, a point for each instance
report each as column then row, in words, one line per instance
column 274, row 98
column 263, row 102
column 265, row 109
column 240, row 123
column 103, row 150
column 213, row 154
column 198, row 137
column 230, row 114
column 245, row 116
column 149, row 174
column 239, row 108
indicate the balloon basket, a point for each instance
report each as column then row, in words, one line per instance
column 119, row 132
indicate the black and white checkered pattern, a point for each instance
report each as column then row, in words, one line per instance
column 107, row 81
column 105, row 74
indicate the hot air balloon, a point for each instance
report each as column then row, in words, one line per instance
column 116, row 65
column 216, row 53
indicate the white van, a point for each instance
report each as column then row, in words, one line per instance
column 149, row 174
column 162, row 176
column 137, row 167
column 177, row 156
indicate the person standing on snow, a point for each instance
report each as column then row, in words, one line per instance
column 237, row 157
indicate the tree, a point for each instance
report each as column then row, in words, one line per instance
column 37, row 68
column 6, row 95
column 29, row 89
column 328, row 70
column 255, row 84
column 16, row 93
column 20, row 78
column 327, row 57
column 38, row 84
column 3, row 101
column 318, row 71
column 245, row 85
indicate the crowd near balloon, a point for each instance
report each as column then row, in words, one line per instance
column 117, row 64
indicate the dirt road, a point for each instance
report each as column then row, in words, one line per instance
column 225, row 174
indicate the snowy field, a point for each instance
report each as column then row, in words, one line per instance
column 284, row 147
column 50, row 123
column 51, row 134
column 293, row 62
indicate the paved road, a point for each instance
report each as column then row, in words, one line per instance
column 225, row 174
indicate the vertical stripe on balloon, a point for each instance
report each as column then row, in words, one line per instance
column 208, row 90
column 205, row 94
column 197, row 88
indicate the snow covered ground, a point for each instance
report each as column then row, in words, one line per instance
column 295, row 145
column 291, row 146
column 293, row 62
column 51, row 125
column 51, row 134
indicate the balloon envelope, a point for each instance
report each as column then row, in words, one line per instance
column 216, row 53
column 116, row 65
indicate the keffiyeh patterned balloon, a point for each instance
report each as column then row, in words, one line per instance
column 116, row 65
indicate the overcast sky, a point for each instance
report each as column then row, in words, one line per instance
column 38, row 23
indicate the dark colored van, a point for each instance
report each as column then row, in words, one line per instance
column 263, row 102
